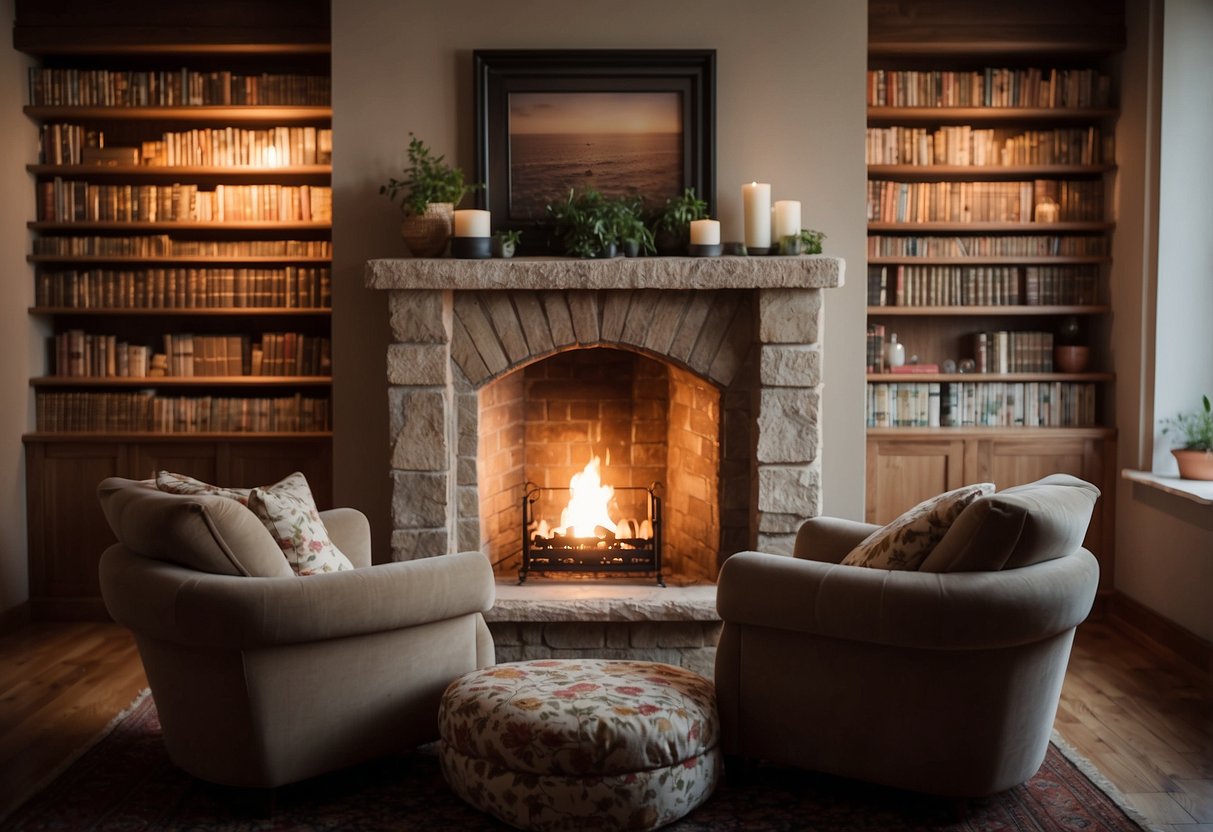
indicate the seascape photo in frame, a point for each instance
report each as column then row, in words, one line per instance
column 634, row 123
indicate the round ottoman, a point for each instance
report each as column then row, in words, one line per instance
column 589, row 744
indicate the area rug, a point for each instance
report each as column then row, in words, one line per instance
column 126, row 782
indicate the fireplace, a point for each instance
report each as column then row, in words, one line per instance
column 702, row 375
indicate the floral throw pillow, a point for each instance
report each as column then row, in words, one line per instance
column 181, row 484
column 289, row 512
column 905, row 543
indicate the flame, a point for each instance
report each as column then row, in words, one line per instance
column 588, row 500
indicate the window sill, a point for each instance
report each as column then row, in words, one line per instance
column 1188, row 500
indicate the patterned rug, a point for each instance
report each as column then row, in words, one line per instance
column 126, row 782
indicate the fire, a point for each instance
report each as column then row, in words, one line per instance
column 588, row 501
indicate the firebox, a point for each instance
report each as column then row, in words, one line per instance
column 587, row 540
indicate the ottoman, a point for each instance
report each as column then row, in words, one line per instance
column 581, row 744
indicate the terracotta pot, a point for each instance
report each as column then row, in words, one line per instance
column 1071, row 359
column 1194, row 465
column 426, row 235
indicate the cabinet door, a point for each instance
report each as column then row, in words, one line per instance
column 261, row 463
column 903, row 472
column 67, row 531
column 199, row 460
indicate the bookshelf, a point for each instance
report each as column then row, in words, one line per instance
column 180, row 218
column 991, row 166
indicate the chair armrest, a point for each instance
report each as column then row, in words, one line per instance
column 350, row 532
column 179, row 605
column 940, row 611
column 828, row 539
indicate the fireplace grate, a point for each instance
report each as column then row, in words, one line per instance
column 595, row 555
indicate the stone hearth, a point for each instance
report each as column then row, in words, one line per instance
column 748, row 327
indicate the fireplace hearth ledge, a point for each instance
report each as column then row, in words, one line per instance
column 545, row 600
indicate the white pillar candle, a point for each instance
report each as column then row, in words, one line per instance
column 705, row 232
column 787, row 219
column 756, row 205
column 472, row 223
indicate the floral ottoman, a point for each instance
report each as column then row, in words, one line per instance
column 588, row 744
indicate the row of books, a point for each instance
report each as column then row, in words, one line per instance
column 68, row 201
column 144, row 411
column 1013, row 352
column 184, row 288
column 72, row 144
column 164, row 245
column 968, row 146
column 980, row 404
column 79, row 354
column 986, row 245
column 1074, row 201
column 57, row 87
column 982, row 285
column 989, row 87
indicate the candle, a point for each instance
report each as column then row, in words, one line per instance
column 705, row 232
column 787, row 219
column 472, row 223
column 756, row 204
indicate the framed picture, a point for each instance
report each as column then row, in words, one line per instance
column 624, row 122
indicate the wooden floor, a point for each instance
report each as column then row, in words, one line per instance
column 1143, row 717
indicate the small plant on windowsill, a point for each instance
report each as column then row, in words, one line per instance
column 1194, row 432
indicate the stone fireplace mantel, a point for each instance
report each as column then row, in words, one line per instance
column 746, row 327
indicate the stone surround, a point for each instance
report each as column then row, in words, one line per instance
column 749, row 326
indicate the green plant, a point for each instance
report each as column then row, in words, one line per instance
column 586, row 223
column 510, row 237
column 675, row 219
column 810, row 241
column 628, row 225
column 428, row 179
column 1196, row 428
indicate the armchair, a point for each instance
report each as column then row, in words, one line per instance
column 937, row 680
column 262, row 678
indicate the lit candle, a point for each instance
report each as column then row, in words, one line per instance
column 787, row 219
column 472, row 223
column 756, row 205
column 705, row 232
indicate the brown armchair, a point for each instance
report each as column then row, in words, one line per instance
column 263, row 678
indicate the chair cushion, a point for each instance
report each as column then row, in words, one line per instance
column 905, row 543
column 1017, row 527
column 202, row 532
column 289, row 513
column 182, row 484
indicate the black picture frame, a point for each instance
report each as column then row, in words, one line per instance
column 690, row 73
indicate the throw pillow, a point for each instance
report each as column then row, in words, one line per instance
column 905, row 543
column 181, row 484
column 289, row 512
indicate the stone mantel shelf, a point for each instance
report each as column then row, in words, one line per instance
column 668, row 273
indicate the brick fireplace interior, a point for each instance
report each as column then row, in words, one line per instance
column 648, row 421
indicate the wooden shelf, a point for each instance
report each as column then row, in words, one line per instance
column 932, row 47
column 965, row 311
column 986, row 227
column 981, row 173
column 134, row 227
column 985, row 378
column 182, row 381
column 200, row 259
column 258, row 173
column 985, row 115
column 277, row 114
column 980, row 260
column 1097, row 432
column 189, row 312
column 144, row 436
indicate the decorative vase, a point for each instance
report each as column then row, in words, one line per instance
column 502, row 249
column 1194, row 465
column 1069, row 358
column 426, row 235
column 631, row 248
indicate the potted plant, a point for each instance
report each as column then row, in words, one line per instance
column 810, row 241
column 505, row 242
column 672, row 226
column 585, row 223
column 1195, row 454
column 428, row 194
column 635, row 237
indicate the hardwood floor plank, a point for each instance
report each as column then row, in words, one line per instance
column 1196, row 796
column 1160, row 806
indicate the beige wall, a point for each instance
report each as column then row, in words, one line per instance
column 790, row 111
column 22, row 346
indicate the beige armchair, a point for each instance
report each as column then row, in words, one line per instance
column 944, row 682
column 263, row 678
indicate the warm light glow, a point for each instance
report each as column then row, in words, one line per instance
column 588, row 501
column 271, row 156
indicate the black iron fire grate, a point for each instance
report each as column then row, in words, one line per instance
column 608, row 554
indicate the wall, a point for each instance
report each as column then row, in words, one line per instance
column 1163, row 255
column 23, row 347
column 790, row 111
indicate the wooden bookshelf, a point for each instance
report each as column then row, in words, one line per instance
column 957, row 42
column 249, row 39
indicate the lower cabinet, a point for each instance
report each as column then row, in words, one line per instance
column 68, row 532
column 904, row 468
